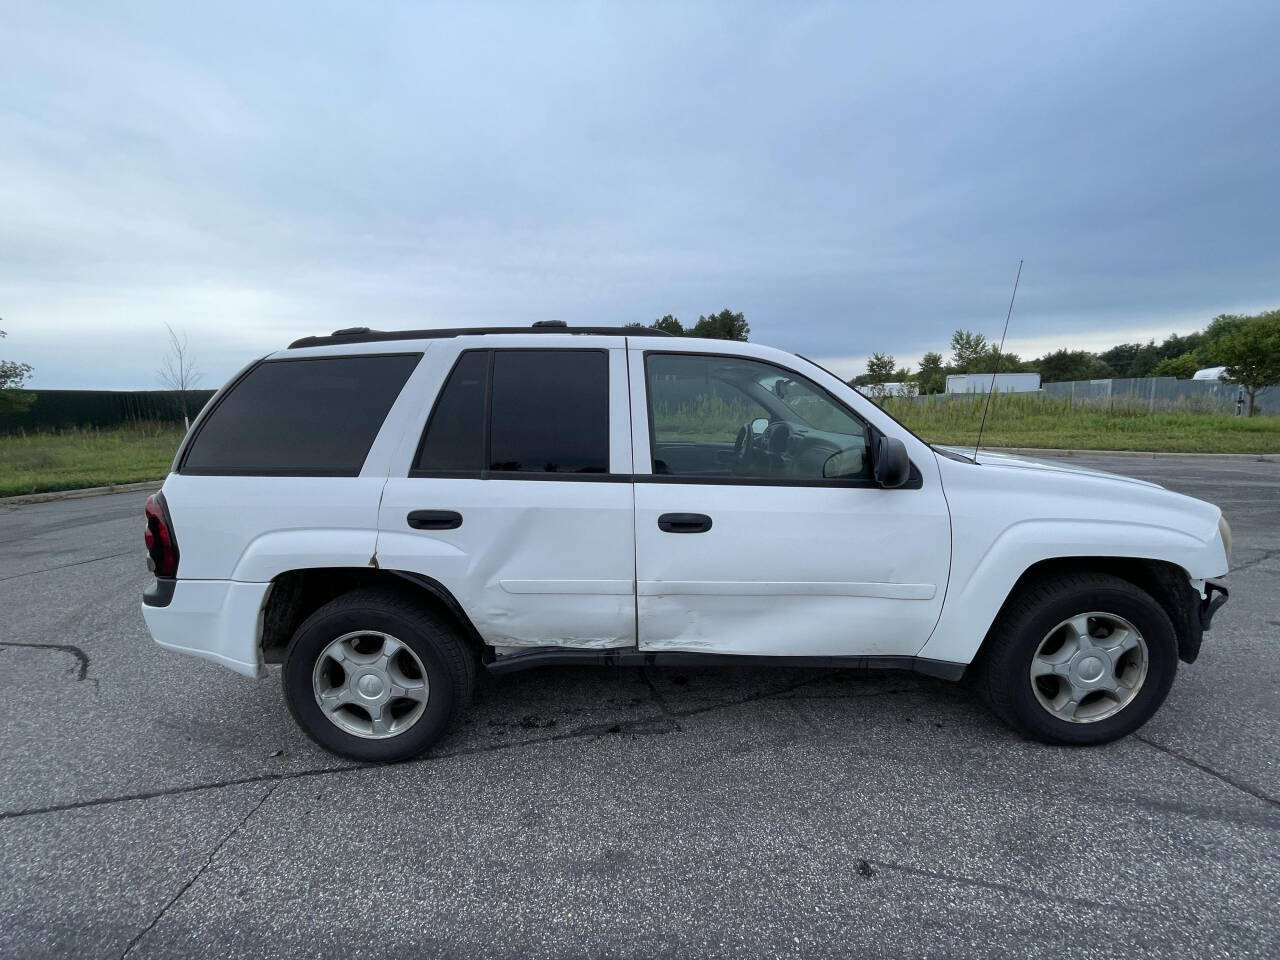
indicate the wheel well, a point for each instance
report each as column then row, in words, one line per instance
column 1167, row 583
column 297, row 594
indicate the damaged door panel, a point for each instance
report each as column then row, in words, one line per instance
column 798, row 551
column 519, row 497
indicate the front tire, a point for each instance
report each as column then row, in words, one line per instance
column 1079, row 660
column 374, row 677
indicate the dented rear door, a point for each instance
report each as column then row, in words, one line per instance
column 516, row 496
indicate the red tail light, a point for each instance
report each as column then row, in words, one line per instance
column 162, row 546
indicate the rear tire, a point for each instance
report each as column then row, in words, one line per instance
column 374, row 677
column 1079, row 660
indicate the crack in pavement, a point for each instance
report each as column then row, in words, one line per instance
column 44, row 527
column 643, row 727
column 1266, row 555
column 1212, row 813
column 74, row 563
column 198, row 874
column 870, row 694
column 82, row 659
column 658, row 698
column 1229, row 781
column 1001, row 887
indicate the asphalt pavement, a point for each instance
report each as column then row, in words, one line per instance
column 154, row 805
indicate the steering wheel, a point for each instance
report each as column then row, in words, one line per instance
column 746, row 448
column 742, row 446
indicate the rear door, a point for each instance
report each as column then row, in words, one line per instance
column 515, row 492
column 759, row 529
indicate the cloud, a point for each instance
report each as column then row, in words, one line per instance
column 855, row 180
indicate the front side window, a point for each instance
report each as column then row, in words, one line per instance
column 313, row 417
column 548, row 413
column 739, row 419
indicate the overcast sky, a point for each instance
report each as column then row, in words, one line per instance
column 855, row 177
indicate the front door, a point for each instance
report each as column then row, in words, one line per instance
column 518, row 498
column 759, row 529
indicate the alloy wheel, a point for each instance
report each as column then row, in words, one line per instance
column 370, row 684
column 1089, row 667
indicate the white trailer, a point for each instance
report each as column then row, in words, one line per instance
column 1211, row 373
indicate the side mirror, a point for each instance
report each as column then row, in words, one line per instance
column 759, row 425
column 892, row 467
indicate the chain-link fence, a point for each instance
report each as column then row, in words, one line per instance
column 1163, row 394
column 1137, row 394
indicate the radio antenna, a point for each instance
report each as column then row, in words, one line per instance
column 999, row 353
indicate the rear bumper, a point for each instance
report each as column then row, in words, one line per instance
column 218, row 620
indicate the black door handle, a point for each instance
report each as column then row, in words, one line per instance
column 434, row 519
column 684, row 522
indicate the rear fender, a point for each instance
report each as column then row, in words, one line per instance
column 272, row 554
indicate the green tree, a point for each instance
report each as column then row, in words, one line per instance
column 1130, row 359
column 669, row 324
column 1005, row 362
column 1144, row 361
column 1119, row 358
column 931, row 375
column 968, row 351
column 725, row 325
column 1141, row 359
column 1183, row 367
column 1175, row 345
column 1064, row 365
column 13, row 377
column 1250, row 350
column 1212, row 352
column 880, row 367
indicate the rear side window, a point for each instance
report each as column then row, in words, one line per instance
column 550, row 411
column 521, row 411
column 314, row 417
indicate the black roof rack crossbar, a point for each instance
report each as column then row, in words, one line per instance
column 365, row 335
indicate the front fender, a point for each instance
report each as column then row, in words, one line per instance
column 974, row 598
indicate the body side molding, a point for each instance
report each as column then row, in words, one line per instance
column 942, row 669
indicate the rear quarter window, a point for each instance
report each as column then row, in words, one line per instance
column 313, row 417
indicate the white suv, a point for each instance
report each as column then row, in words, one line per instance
column 383, row 512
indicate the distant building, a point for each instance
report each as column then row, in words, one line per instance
column 1210, row 373
column 981, row 382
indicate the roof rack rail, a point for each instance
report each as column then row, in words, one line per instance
column 365, row 335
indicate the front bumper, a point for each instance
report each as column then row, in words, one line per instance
column 1195, row 613
column 1215, row 595
column 218, row 620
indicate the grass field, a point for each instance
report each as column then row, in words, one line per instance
column 1052, row 423
column 35, row 463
